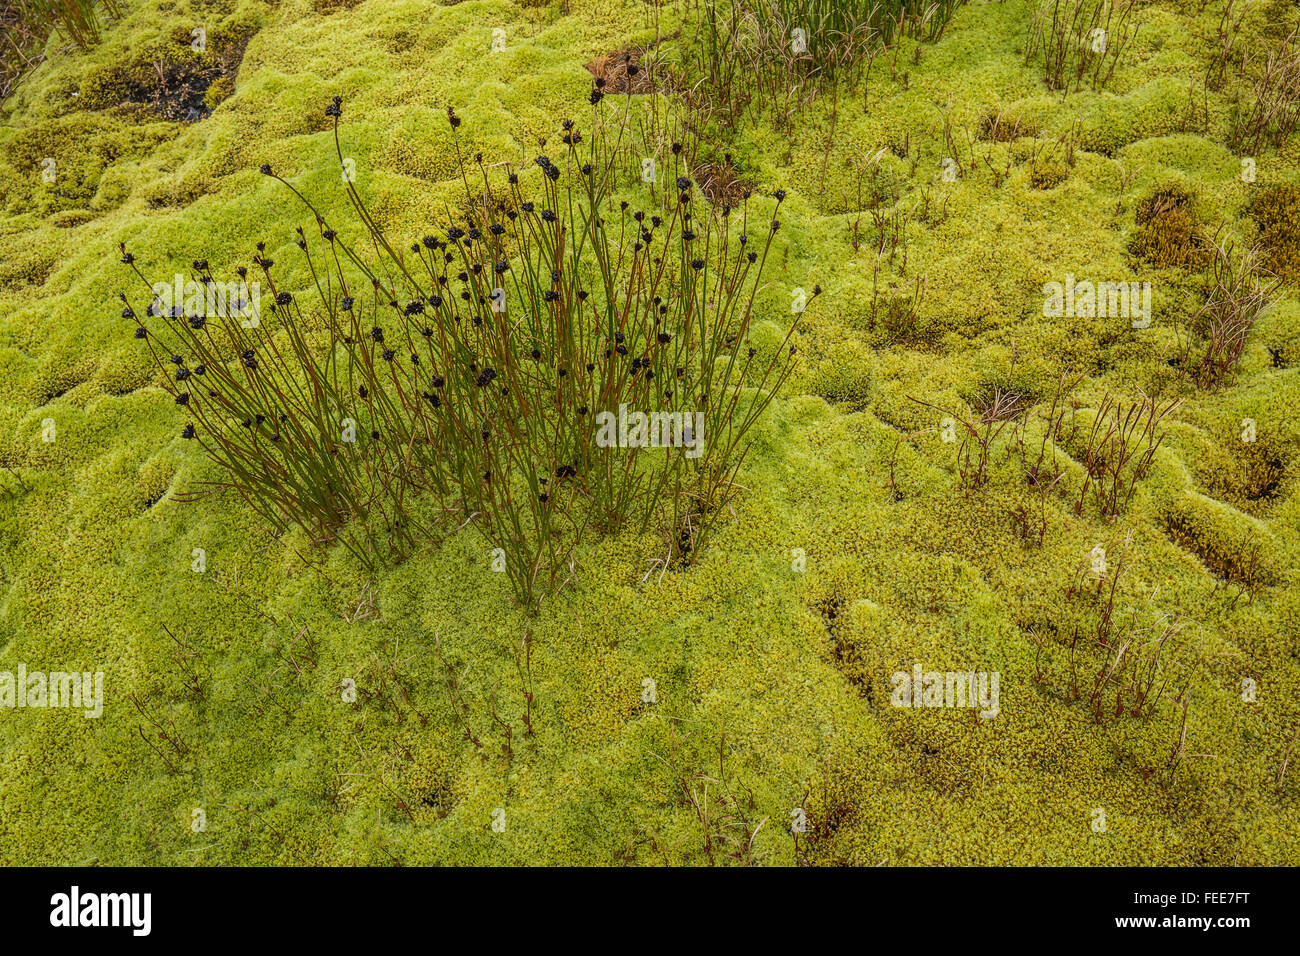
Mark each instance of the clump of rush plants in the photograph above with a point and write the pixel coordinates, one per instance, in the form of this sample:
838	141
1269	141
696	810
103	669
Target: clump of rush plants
548	361
1078	42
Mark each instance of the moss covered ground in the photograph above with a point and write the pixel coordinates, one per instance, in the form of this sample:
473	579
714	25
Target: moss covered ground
853	552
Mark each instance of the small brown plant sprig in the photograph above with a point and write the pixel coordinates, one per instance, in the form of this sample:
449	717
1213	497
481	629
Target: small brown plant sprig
1134	651
1119	449
725	807
994	410
1135	668
1237	296
1045	474
472	367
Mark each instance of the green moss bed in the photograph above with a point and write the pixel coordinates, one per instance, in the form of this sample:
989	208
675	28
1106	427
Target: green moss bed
767	734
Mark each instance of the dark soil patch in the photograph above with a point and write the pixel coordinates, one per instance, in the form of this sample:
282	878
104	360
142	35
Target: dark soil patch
177	83
152	500
188	89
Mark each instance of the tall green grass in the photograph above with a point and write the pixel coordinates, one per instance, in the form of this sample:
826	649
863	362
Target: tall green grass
76	20
772	53
26	24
